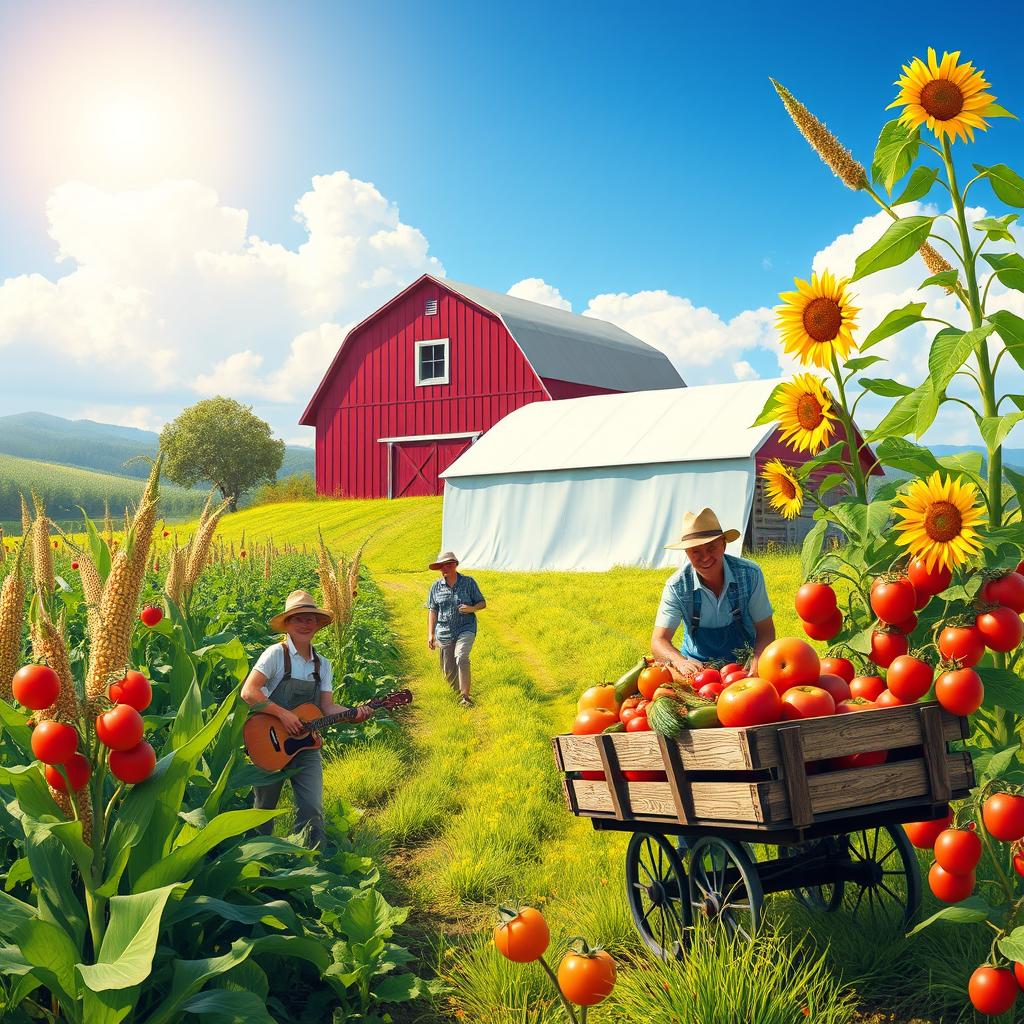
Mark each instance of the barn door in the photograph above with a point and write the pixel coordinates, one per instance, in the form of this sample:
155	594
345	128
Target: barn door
416	465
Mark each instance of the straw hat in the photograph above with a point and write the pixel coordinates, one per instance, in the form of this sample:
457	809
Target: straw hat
445	556
701	529
297	602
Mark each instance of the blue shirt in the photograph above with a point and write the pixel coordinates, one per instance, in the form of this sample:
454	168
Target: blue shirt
445	600
715	611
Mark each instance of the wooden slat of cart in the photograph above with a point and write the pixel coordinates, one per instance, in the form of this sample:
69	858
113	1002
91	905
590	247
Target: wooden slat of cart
794	773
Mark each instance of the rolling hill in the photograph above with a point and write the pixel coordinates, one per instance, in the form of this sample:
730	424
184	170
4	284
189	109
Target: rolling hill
104	447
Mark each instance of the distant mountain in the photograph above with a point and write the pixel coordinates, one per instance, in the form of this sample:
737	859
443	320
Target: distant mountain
101	446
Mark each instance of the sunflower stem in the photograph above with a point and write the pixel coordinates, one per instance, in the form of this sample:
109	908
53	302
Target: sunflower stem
851	435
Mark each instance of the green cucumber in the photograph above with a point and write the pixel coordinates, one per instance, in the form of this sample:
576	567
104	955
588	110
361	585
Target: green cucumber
703	718
626	685
614	727
666	717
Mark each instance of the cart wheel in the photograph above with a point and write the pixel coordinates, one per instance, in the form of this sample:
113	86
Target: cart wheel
885	890
656	888
820	898
725	887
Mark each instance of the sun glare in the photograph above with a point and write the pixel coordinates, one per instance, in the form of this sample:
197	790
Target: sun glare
126	127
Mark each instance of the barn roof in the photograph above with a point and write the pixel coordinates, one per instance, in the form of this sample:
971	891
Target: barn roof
567	346
636	428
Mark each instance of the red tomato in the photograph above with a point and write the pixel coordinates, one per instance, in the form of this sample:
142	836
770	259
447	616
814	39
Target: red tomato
788	662
928	582
524	938
844	707
74	565
705	676
732	677
78	770
963	644
993	990
54	742
893	601
730	668
626	715
824	630
1003	815
865	760
807	702
151	615
868	687
815	602
924	833
135	765
909	678
711	690
1018	864
120	728
960	691
586	980
837	687
888	699
632	775
134	689
1007	590
886	647
1020	568
1018	968
949	888
638	723
907	626
651	678
749	702
591	721
957	851
841	667
1002	629
36	686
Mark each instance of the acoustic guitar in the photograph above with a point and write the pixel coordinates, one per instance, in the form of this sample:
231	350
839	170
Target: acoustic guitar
269	745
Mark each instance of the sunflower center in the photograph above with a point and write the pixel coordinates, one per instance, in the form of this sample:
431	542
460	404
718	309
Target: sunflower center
822	319
787	487
942	99
808	412
943	521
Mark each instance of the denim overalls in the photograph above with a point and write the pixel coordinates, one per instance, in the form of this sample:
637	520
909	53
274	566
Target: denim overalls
720	643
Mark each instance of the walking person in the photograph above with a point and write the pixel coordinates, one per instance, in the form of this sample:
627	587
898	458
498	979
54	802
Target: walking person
452	605
286	675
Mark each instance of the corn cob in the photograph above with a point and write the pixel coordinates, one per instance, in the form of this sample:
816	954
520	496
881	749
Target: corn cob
175	573
42	553
199	546
12	620
92	590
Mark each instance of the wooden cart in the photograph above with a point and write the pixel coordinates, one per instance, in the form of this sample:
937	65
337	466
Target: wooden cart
837	829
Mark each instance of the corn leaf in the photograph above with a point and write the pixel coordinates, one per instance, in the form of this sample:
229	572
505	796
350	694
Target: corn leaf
894	322
995	428
1011	329
885	387
945	279
895	152
1009	268
52	953
997	229
919	186
951	348
900	241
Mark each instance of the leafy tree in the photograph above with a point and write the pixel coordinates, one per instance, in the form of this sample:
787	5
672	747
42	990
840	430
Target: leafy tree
221	441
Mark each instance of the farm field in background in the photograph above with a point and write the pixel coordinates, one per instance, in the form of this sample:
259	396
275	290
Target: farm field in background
466	809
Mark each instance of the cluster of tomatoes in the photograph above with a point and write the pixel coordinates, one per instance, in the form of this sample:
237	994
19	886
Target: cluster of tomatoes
585	976
993	989
896	600
120	729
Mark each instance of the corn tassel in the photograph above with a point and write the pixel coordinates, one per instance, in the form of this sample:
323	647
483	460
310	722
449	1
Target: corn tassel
42	553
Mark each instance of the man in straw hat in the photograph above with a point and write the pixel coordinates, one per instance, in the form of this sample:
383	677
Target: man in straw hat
452	605
720	599
286	675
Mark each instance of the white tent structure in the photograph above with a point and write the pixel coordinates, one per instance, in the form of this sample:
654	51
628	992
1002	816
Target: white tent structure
590	483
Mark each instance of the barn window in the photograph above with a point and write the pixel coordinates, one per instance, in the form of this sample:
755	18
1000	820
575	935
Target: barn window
432	362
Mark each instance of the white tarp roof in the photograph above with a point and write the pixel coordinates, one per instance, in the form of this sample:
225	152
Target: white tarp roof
692	424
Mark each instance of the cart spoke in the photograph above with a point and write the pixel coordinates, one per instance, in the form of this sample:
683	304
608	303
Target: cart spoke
882	885
887	856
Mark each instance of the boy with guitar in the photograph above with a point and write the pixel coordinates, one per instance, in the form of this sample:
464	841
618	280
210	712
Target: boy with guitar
286	676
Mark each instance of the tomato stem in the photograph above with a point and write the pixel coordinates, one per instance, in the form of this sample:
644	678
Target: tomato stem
554	981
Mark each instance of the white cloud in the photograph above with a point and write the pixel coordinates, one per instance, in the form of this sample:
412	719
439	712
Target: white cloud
536	289
141	417
744	371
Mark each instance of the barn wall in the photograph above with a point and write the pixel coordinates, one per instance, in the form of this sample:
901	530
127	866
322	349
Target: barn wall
372	390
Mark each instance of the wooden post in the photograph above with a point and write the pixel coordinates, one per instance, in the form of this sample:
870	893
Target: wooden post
677	780
791	748
935	753
616	782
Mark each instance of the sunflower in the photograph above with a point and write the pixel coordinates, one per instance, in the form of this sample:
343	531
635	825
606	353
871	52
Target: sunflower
948	97
805	413
784	490
939	521
816	321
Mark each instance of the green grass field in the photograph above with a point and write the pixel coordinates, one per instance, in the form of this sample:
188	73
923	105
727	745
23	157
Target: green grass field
466	808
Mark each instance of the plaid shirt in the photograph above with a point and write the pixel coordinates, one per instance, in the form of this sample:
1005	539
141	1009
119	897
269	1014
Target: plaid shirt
445	600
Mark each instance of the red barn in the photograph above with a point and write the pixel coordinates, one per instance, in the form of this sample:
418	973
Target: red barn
417	382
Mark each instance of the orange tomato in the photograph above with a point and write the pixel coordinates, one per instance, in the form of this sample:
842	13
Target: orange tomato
524	937
807	702
651	678
586	979
789	661
600	696
591	721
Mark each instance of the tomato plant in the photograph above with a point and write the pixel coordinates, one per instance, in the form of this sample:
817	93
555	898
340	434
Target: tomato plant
1002	629
960	691
928	582
957	850
78	771
807	702
522	936
893	600
826	630
151	615
815	602
749	702
35	686
909	678
54	742
602	696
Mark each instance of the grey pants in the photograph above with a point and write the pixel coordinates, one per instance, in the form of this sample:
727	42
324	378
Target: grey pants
455	662
308	792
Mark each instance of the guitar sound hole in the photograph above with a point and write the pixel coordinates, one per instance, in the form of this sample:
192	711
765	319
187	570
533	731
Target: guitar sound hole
296	743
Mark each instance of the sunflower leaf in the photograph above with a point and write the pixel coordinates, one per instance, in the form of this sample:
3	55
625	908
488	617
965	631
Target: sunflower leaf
919	186
1007	184
998	110
811	550
894	322
997	229
1017	483
900	241
830	456
951	348
1011	330
768	412
946	279
885	387
899	453
862	362
899	421
995	428
928	408
895	152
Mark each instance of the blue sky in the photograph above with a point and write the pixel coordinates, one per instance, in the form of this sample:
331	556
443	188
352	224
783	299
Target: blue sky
601	148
